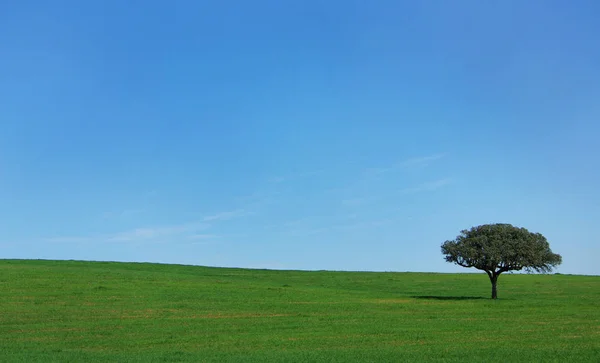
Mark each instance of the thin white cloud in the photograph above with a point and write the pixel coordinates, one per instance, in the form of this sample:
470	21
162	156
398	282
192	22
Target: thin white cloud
203	236
187	231
203	239
176	232
367	224
427	187
309	231
312	219
122	214
138	234
378	171
346	226
68	239
258	199
223	216
143	234
355	202
303	174
421	161
424	187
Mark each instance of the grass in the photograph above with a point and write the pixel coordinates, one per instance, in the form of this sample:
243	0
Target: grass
70	311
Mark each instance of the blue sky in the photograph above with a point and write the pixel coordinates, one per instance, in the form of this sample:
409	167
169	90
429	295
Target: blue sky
339	135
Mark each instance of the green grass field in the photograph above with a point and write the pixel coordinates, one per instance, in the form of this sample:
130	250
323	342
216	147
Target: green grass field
67	311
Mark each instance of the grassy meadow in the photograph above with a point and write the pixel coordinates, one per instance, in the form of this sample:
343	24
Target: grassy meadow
71	311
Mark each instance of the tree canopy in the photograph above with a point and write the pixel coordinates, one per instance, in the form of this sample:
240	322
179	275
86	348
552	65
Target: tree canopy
497	248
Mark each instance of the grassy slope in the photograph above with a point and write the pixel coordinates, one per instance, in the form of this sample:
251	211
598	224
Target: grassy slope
93	311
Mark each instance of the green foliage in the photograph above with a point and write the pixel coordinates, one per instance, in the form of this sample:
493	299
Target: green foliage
497	248
500	248
116	312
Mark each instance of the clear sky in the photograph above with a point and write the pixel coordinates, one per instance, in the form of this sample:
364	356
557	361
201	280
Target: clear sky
339	135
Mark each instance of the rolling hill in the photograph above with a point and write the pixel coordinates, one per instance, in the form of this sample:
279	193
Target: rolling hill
74	311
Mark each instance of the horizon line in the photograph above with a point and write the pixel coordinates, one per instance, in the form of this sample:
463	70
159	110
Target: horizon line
470	272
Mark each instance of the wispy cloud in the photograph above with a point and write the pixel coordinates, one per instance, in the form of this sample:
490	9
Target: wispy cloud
417	162
292	176
122	214
317	219
429	186
355	202
345	226
223	216
139	234
203	236
424	187
421	161
309	231
68	239
204	239
189	231
310	173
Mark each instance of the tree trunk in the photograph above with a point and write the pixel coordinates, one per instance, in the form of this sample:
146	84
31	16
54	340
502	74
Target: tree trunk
494	289
493	275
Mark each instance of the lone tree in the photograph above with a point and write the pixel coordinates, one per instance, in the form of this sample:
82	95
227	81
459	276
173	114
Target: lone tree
497	248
